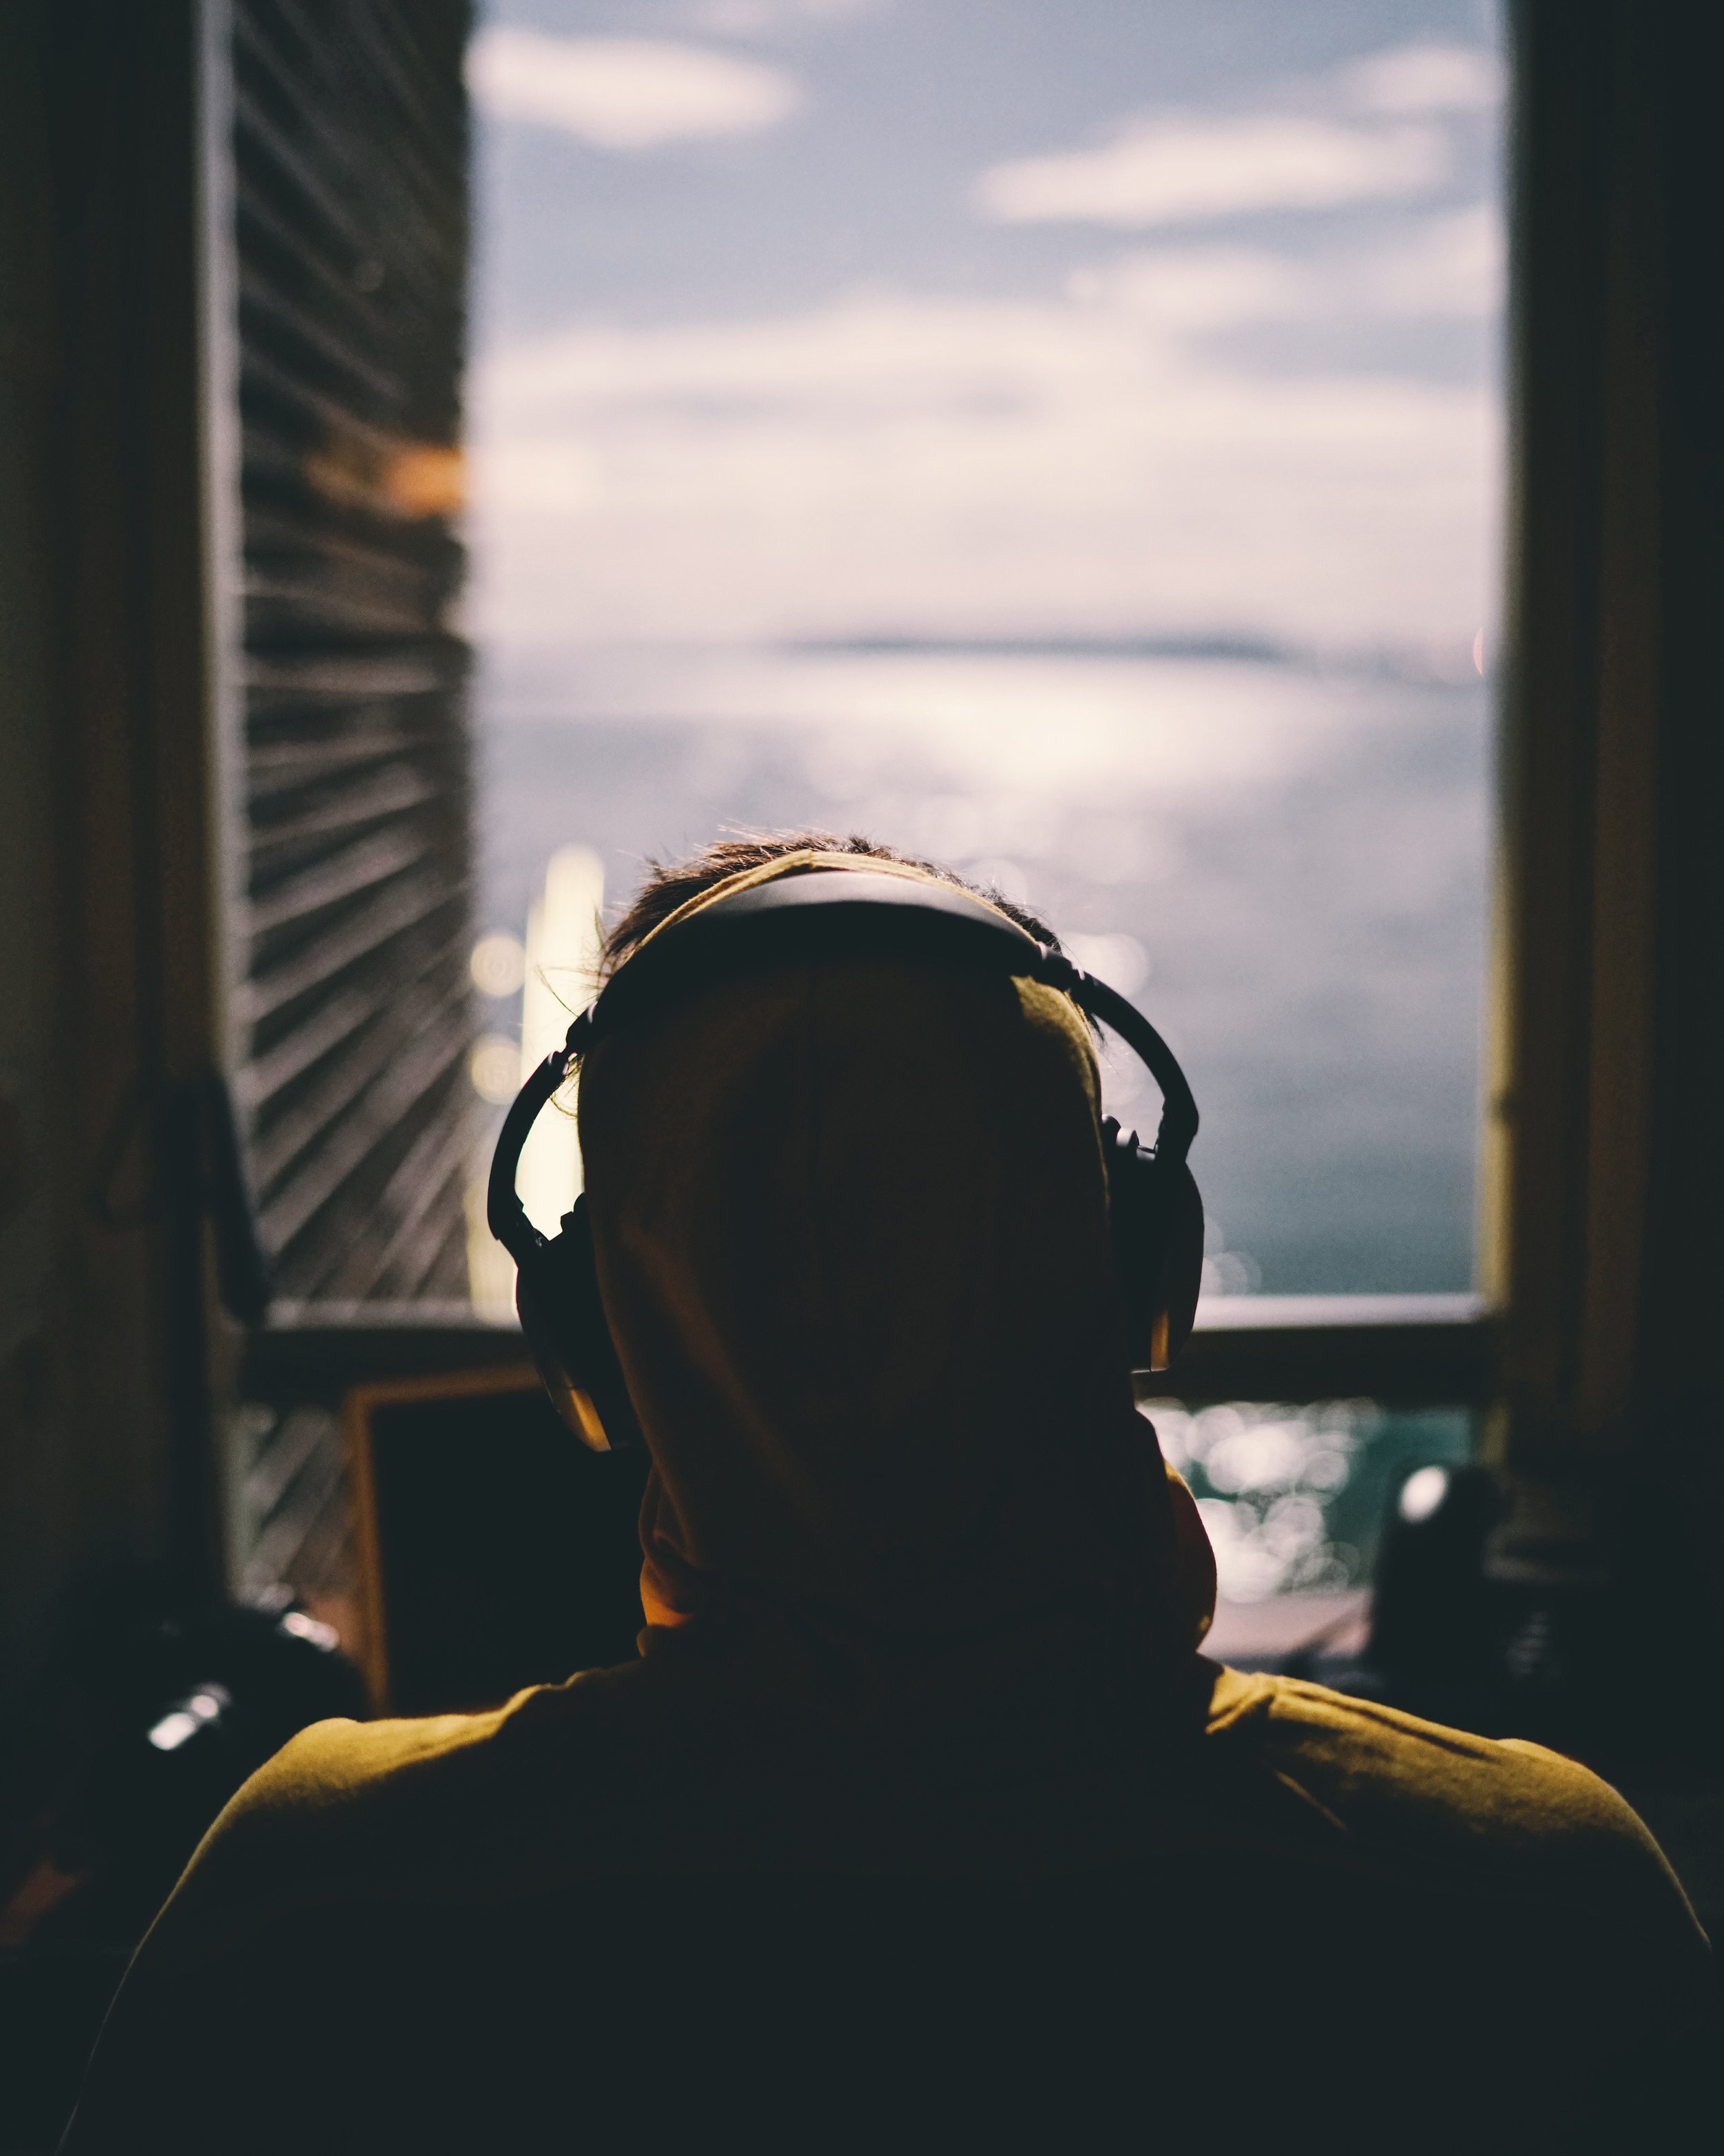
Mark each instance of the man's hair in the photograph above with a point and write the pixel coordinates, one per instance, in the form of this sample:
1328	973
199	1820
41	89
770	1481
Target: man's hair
672	884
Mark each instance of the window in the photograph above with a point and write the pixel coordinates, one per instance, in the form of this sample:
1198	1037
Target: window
1084	471
1061	441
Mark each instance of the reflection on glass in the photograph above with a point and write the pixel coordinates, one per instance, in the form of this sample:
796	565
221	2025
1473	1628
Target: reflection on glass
1294	1498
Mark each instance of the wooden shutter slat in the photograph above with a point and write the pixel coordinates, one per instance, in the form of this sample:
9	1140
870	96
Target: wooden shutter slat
350	230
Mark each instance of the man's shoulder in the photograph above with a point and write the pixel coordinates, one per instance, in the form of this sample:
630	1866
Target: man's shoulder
328	1766
342	1781
351	1813
334	1772
1460	1810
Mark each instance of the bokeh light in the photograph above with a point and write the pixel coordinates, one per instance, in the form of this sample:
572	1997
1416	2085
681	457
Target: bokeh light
498	965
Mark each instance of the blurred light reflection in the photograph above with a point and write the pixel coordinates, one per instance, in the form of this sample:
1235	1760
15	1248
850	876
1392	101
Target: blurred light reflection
1293	1497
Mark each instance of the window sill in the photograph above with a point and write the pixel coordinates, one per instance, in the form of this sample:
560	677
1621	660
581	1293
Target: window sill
1403	1350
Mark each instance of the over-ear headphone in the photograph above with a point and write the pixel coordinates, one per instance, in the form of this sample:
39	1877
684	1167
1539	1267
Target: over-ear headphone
1156	1212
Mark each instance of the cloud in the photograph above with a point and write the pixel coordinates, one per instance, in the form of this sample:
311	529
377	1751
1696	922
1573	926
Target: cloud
752	18
1454	266
1421	79
1443	268
949	465
1191	289
623	93
1191	166
1364	134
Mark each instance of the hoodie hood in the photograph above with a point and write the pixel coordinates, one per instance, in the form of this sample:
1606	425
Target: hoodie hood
850	1220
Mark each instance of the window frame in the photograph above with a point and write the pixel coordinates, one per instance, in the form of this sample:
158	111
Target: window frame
1546	1351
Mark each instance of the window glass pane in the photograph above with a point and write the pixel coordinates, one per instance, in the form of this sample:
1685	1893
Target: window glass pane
1060	440
1295	1499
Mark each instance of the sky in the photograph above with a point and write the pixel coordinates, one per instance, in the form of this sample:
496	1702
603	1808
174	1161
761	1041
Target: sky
808	320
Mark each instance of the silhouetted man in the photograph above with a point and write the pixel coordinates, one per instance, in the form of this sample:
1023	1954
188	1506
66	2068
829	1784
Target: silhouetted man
920	1821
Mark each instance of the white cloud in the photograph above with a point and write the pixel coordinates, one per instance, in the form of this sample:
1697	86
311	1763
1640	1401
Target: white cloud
947	465
623	93
1450	265
1309	147
1426	79
751	19
1194	165
1196	288
1447	267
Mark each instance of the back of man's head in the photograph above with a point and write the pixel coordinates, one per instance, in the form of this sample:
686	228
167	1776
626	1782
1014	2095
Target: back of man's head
851	1218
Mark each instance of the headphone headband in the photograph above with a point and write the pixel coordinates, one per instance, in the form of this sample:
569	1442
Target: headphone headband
829	911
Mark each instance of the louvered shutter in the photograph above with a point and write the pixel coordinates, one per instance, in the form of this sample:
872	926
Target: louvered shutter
349	152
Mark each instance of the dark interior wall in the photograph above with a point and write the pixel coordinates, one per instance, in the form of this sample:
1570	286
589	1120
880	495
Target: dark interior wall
1609	1171
227	686
1685	1234
1682	1280
27	856
107	1003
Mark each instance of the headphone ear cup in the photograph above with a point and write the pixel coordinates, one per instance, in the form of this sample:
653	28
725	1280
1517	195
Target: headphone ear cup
562	1317
1182	1264
1156	1218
